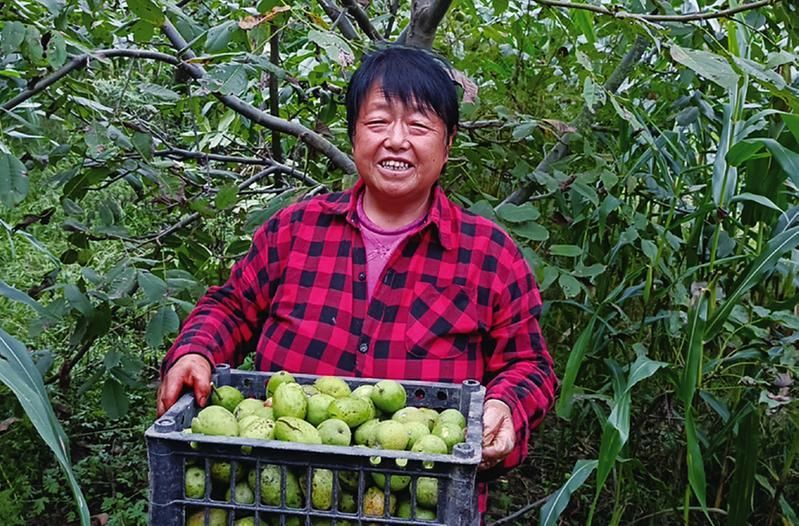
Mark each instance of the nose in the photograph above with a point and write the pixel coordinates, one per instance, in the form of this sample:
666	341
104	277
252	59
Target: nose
396	136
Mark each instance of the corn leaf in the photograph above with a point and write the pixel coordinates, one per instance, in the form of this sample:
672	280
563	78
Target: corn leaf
747	447
19	373
558	501
576	358
762	266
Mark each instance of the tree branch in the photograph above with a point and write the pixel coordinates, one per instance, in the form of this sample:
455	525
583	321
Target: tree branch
426	15
339	20
312	139
81	61
362	19
179	153
688	17
189	219
393	10
582	122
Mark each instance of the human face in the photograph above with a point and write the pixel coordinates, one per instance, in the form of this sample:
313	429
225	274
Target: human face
399	151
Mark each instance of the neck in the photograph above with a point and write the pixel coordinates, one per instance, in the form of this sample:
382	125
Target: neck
394	215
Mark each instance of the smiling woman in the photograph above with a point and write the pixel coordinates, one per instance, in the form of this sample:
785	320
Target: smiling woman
403	112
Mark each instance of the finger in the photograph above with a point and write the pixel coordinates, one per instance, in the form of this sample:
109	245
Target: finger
202	388
170	390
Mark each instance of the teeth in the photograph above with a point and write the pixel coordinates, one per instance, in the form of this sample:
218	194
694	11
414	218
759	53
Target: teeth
395	165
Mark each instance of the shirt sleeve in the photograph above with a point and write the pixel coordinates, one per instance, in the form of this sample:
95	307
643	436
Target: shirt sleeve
519	367
226	322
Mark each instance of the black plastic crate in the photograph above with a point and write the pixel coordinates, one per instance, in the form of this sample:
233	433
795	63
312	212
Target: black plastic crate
171	451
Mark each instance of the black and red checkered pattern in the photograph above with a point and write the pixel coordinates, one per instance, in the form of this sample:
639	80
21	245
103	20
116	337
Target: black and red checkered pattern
456	300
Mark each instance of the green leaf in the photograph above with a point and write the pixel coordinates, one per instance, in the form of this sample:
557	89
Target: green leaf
154	287
219	37
530	230
693	457
333	44
707	65
649	249
695	346
592	94
792	123
18	372
591	271
142	31
787	159
747	452
56	50
13	180
576	357
78	300
11	37
228	79
32	45
114	400
226	196
163	323
584	21
641	369
54	6
511	213
147	10
13	294
524	130
571	251
558	501
755	198
763	265
569	285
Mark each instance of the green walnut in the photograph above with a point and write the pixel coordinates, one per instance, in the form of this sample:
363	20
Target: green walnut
334	386
270	486
195	483
389	396
215	420
216	517
353	411
318	406
450	433
289	400
427	492
335	432
391	434
422	514
242	492
226	396
374	502
452	416
280	377
291	429
253	406
366	433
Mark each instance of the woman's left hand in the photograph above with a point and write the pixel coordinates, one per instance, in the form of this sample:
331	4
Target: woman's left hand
499	436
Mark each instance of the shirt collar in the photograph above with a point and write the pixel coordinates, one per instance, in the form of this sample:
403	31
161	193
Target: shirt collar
440	214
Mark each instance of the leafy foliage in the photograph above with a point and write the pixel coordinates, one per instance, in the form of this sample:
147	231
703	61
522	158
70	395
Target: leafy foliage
664	241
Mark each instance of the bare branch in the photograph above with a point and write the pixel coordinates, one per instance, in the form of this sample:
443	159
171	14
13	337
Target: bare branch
426	15
689	17
81	61
362	19
521	512
339	19
312	139
582	122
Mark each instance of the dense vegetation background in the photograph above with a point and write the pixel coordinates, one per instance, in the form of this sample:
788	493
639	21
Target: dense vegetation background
644	154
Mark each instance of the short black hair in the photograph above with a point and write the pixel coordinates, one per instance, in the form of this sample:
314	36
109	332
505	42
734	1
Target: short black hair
411	75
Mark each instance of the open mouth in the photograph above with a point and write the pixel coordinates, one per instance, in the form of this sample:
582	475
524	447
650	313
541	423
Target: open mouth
395	166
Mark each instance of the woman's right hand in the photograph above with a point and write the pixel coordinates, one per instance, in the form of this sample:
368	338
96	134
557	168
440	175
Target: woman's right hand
190	371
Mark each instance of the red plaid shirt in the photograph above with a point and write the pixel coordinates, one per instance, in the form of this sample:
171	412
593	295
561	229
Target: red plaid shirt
457	300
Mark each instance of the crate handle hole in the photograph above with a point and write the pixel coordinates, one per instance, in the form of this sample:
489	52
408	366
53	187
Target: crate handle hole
420	394
442	395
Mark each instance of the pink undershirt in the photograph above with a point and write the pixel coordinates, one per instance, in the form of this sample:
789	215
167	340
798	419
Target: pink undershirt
379	244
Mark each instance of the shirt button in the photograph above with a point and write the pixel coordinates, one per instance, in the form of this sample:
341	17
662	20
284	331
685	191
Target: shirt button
362	276
363	347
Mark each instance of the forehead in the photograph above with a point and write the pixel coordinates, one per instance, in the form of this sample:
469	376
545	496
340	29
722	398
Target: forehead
377	99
